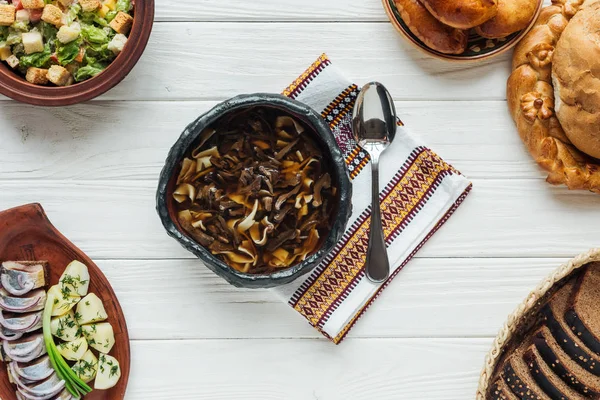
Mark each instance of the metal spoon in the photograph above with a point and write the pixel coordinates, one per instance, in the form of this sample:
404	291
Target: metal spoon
374	129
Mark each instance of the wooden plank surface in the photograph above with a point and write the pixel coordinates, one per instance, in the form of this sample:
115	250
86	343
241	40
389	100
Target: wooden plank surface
270	10
477	137
208	61
94	168
276	369
520	218
460	297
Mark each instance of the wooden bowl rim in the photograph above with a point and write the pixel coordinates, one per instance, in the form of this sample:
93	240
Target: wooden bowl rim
16	87
457	58
530	305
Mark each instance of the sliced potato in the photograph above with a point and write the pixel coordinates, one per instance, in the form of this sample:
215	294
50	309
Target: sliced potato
99	336
65	327
109	372
63	302
76	279
87	367
74	350
90	309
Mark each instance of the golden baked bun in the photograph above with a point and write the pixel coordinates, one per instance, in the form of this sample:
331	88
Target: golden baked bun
462	14
530	97
576	79
429	30
512	16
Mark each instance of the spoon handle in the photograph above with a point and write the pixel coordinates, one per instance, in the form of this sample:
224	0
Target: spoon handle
377	263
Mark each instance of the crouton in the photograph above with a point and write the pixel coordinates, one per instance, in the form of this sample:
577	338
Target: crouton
65	3
90	5
5	52
32	41
53	15
122	23
7	14
37	76
67	34
12	61
58	75
32	4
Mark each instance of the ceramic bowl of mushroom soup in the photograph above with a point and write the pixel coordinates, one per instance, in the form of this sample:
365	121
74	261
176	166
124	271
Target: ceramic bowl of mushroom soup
257	188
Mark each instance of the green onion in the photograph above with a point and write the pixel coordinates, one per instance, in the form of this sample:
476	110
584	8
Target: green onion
73	383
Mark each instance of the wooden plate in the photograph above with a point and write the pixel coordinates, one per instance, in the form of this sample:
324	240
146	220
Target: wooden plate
27	234
478	48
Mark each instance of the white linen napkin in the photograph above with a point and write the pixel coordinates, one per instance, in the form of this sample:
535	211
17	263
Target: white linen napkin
421	192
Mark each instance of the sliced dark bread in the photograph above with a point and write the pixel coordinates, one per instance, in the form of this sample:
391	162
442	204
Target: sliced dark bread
501	391
516	375
553	313
546	379
583	313
570	372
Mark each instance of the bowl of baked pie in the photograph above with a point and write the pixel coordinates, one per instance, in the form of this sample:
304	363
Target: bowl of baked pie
463	30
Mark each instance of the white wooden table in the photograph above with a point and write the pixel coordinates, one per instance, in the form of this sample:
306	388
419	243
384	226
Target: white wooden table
94	168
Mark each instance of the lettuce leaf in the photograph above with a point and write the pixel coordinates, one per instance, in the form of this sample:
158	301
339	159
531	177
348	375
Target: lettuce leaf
49	32
91	34
72	13
3	33
91	18
39	60
124	5
20	26
14	37
66	53
88	71
110	16
100	52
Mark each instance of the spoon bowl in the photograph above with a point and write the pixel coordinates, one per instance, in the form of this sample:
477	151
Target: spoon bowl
374	129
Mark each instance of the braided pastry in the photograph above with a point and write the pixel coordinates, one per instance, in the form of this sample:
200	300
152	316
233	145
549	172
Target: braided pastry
530	96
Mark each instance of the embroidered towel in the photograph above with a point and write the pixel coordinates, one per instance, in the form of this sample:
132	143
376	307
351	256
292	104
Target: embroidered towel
420	192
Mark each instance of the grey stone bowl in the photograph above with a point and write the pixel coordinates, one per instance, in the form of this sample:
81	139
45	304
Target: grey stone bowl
166	207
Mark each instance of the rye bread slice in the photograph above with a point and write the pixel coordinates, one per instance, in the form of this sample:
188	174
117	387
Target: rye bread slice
516	375
546	379
501	391
583	314
571	373
553	313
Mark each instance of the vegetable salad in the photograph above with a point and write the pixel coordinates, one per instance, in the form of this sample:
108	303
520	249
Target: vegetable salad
61	42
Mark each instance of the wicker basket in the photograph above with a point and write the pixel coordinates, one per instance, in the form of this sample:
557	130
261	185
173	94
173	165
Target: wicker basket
523	313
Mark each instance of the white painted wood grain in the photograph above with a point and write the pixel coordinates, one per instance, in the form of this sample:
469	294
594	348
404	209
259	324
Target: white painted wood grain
383	369
430	298
270	10
95	140
207	61
501	218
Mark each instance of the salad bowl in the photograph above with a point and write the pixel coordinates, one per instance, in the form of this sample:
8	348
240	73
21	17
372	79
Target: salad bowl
18	88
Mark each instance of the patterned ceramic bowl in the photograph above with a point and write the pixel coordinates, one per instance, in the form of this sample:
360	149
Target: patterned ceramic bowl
478	48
